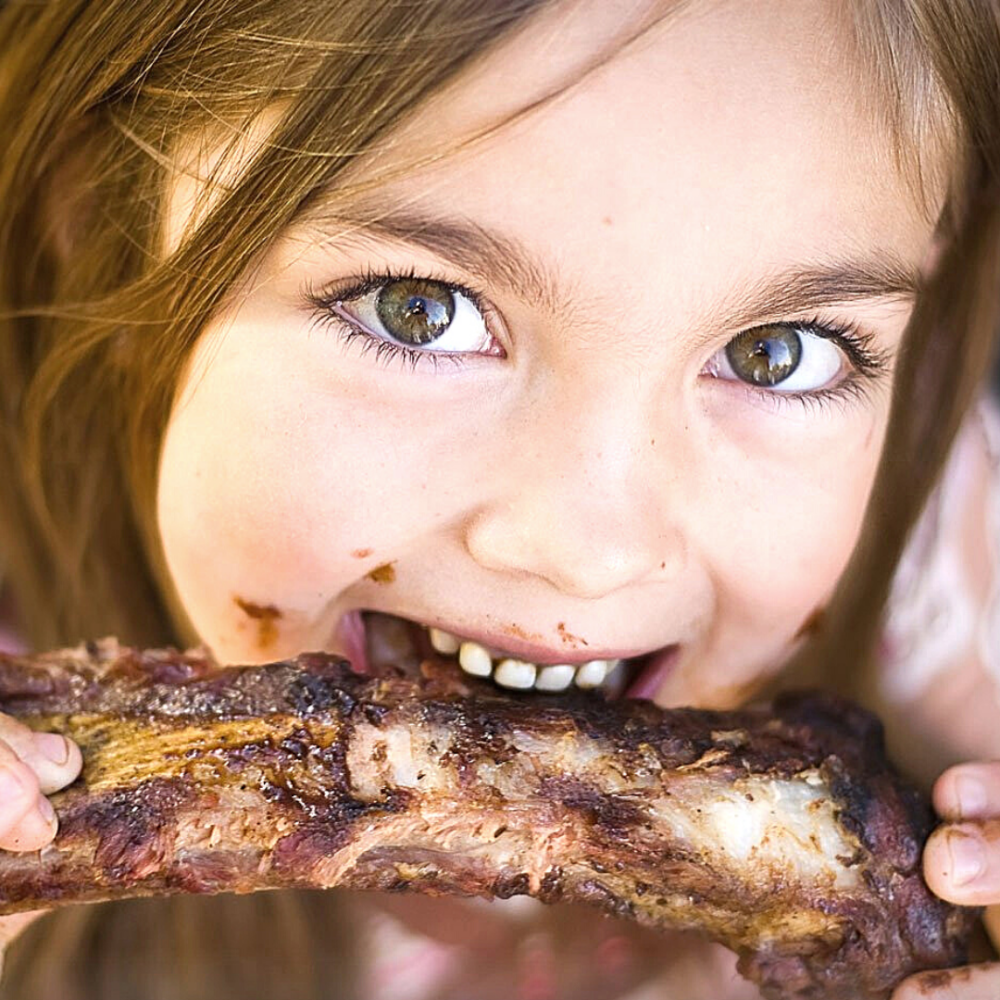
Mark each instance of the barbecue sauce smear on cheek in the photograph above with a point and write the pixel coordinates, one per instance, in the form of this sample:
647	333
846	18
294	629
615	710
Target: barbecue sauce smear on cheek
266	616
386	573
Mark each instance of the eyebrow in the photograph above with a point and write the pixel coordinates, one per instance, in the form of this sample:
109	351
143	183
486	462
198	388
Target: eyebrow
490	256
498	259
878	275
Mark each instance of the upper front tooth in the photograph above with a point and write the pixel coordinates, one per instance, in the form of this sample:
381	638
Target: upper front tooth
444	642
515	674
555	677
475	660
592	673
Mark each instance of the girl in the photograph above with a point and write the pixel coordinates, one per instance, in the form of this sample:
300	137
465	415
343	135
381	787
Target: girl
572	331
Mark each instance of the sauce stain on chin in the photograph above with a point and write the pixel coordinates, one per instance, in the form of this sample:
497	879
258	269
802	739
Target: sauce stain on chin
568	638
515	630
265	615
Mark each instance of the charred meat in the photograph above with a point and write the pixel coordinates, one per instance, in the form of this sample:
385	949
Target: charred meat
781	831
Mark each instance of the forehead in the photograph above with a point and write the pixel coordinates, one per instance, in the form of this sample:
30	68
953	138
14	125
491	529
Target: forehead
723	133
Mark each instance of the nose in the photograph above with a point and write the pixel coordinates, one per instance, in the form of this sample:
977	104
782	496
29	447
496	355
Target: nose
583	503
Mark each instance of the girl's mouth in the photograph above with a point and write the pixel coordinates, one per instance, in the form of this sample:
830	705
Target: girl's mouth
373	641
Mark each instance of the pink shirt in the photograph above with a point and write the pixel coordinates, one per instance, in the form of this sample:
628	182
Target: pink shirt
944	607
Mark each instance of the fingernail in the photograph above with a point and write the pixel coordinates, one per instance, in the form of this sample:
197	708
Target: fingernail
45	808
11	786
53	747
971	794
967	858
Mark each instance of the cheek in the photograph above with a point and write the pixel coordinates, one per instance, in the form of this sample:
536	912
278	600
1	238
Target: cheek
775	526
277	501
791	521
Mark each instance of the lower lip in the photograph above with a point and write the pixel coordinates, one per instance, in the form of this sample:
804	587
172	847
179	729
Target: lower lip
653	674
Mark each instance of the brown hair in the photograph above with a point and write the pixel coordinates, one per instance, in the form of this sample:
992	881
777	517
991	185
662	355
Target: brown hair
951	338
94	326
96	323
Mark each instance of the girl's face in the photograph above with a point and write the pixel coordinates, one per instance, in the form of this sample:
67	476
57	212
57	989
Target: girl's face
613	381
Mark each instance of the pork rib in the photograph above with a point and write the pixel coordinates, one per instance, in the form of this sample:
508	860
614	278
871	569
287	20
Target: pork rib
783	833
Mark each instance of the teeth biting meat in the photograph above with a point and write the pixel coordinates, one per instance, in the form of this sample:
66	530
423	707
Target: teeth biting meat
391	640
782	833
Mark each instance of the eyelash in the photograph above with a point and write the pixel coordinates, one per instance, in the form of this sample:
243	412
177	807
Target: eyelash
386	352
868	366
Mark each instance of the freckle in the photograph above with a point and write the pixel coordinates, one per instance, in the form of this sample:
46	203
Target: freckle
386	573
652	441
663	565
265	615
362	553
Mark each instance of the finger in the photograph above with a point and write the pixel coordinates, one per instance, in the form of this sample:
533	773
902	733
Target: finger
969	982
27	819
962	863
969	791
55	759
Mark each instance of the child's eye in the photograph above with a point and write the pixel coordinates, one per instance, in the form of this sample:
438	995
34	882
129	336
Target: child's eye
784	357
418	318
420	314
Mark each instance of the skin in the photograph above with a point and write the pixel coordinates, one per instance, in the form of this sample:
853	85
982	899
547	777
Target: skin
645	497
703	513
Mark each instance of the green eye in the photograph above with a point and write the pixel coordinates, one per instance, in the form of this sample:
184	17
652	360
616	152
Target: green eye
765	355
415	310
415	315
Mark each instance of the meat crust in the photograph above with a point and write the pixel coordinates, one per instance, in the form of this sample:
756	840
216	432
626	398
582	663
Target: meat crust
781	832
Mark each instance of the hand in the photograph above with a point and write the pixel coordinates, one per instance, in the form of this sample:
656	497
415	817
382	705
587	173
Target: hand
32	765
962	865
